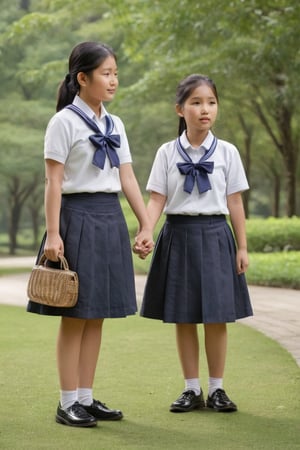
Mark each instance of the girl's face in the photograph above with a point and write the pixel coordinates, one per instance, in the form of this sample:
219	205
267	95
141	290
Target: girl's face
199	110
101	85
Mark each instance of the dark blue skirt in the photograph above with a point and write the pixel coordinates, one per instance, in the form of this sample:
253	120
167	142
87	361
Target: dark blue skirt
97	247
193	277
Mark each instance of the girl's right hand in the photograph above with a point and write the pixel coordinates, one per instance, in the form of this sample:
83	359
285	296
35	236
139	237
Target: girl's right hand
142	250
54	247
143	243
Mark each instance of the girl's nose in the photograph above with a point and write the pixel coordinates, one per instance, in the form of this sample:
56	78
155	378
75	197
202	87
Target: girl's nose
114	79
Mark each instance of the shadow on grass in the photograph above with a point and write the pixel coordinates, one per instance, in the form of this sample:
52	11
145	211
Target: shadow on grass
139	373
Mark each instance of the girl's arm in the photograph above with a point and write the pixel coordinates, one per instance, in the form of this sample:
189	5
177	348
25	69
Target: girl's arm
135	199
54	176
155	208
237	218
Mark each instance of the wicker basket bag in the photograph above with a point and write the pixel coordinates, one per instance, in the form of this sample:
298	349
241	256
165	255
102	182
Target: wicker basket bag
53	287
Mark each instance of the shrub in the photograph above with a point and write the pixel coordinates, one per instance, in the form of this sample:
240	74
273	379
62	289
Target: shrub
273	235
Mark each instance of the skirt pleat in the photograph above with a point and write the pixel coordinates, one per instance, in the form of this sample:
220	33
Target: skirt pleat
97	247
192	277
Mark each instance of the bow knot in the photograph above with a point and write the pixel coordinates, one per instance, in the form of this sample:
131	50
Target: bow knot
105	143
196	172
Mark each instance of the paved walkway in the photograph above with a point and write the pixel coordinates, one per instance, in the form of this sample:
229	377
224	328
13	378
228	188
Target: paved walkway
276	311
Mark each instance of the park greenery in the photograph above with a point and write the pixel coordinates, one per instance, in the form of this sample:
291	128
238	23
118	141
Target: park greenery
251	48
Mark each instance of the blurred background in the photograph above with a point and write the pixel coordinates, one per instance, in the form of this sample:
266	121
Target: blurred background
251	49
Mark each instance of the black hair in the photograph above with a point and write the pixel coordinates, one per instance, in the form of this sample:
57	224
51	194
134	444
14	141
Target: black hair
184	90
85	57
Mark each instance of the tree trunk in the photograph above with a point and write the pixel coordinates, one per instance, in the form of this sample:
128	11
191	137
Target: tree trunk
17	197
247	159
276	196
13	228
284	144
25	4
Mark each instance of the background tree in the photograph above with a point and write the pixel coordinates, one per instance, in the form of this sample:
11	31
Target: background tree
253	44
250	48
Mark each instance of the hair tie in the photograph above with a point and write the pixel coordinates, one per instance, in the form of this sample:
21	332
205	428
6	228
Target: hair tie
68	78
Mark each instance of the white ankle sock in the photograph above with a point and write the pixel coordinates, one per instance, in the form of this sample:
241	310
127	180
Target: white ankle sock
192	384
85	396
214	384
68	398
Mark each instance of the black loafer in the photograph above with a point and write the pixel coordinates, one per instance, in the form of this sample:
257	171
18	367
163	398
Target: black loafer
187	402
75	416
220	402
101	412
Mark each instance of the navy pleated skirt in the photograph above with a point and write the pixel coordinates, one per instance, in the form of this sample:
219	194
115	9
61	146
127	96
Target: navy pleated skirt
97	247
193	277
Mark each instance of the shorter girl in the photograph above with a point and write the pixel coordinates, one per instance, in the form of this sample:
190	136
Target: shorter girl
197	276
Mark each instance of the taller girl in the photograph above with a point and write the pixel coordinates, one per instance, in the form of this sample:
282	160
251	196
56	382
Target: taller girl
88	162
197	276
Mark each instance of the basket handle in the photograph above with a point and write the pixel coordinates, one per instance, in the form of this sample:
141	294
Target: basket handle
63	262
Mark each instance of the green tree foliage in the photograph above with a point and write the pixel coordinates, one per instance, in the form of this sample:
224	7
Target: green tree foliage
249	47
35	39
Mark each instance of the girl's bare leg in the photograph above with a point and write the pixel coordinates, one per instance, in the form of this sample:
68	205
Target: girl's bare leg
89	352
188	349
68	352
216	347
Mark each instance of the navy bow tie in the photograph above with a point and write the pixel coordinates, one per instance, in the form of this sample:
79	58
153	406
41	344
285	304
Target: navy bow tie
105	144
196	171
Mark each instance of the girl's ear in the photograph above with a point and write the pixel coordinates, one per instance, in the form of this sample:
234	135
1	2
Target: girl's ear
81	78
179	110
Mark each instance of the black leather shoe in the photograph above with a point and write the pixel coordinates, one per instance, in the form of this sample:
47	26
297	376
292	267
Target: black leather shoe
101	412
220	402
188	401
75	416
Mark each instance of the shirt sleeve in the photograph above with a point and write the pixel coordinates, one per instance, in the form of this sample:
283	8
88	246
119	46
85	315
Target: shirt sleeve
236	176
57	143
158	181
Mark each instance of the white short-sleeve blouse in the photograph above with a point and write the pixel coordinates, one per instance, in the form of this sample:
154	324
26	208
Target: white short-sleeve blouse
67	141
228	177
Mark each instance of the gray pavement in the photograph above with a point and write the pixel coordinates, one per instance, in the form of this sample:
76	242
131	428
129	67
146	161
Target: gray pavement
276	311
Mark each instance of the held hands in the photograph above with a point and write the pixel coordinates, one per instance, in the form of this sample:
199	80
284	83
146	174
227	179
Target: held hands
143	244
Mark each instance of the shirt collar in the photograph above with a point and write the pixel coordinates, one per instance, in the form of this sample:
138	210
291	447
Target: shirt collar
205	144
88	111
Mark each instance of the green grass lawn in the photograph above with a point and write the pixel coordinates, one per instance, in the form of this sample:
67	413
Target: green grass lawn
139	373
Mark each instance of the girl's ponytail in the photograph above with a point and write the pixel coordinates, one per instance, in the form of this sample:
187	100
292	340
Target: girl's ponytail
181	126
66	92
